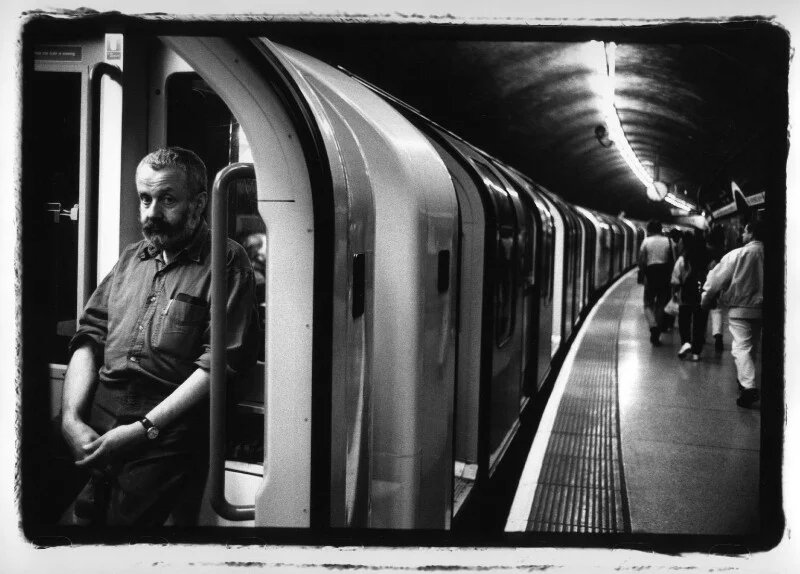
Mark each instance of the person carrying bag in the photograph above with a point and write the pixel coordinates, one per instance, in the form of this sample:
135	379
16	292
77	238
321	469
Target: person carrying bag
688	276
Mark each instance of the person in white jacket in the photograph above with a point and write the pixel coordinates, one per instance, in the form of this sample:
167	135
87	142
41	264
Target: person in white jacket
738	281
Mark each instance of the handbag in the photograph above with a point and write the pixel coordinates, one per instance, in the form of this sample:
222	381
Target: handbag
671	308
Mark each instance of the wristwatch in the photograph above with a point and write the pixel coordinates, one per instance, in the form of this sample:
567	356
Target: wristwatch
149	428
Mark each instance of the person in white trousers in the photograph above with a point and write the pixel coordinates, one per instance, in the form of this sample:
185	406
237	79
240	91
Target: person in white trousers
738	281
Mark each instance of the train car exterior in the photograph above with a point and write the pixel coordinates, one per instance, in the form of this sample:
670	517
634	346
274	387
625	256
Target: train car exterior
416	291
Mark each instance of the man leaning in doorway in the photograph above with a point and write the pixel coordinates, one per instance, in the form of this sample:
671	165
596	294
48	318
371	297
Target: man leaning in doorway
135	408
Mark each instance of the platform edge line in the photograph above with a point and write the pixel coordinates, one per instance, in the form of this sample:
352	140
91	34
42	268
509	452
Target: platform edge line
523	499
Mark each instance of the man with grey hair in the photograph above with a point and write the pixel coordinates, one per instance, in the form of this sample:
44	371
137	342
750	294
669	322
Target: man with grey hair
134	410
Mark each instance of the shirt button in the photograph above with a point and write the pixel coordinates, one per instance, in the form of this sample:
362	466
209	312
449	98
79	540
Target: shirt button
152	298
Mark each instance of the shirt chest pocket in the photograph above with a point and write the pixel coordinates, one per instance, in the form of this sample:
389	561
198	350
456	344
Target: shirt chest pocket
180	325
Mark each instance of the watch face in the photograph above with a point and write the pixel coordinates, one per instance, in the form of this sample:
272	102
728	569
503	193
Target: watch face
152	433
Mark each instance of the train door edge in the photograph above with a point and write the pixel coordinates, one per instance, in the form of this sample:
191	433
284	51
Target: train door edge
296	203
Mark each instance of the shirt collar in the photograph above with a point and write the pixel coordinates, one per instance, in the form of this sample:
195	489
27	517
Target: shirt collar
194	251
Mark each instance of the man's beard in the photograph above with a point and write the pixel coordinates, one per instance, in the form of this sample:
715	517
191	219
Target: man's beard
169	236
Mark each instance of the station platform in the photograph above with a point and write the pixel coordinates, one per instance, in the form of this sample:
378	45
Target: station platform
636	440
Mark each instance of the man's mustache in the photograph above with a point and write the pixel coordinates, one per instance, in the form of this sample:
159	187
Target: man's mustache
157	226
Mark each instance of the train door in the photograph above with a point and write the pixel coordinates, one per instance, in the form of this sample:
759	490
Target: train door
590	255
631	241
545	279
618	241
559	244
530	231
472	224
529	300
416	235
504	405
599	265
571	270
626	243
56	245
62	121
246	111
619	246
604	257
580	298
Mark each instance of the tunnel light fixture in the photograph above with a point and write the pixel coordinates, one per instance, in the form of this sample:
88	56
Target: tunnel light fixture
673	199
615	132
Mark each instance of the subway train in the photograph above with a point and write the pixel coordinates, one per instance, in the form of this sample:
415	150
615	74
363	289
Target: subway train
417	294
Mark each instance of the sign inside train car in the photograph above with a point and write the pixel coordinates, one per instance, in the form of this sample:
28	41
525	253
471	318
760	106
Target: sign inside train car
113	47
58	53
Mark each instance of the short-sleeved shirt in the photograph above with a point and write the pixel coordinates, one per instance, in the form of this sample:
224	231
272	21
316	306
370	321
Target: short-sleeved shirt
656	250
149	325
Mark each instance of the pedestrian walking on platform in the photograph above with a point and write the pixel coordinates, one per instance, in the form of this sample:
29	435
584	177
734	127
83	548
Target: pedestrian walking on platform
655	266
738	281
688	276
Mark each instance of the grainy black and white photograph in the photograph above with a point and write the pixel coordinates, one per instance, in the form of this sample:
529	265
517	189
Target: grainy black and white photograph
379	289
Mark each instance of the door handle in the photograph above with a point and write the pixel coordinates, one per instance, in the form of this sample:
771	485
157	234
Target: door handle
54	208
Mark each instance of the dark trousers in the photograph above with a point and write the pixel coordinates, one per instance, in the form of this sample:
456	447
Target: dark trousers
692	321
657	292
161	478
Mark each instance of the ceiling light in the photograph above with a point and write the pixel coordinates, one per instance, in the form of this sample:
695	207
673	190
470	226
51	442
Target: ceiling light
615	132
673	199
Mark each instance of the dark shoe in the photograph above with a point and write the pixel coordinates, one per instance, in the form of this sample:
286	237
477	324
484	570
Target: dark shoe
747	398
718	347
655	337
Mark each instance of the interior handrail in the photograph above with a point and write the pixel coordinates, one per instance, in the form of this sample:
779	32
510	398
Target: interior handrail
88	208
219	295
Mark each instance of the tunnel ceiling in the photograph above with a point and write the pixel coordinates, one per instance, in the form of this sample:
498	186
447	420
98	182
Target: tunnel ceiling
705	103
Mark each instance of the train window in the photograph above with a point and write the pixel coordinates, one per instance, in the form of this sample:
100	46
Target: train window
199	120
505	295
505	276
55	129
